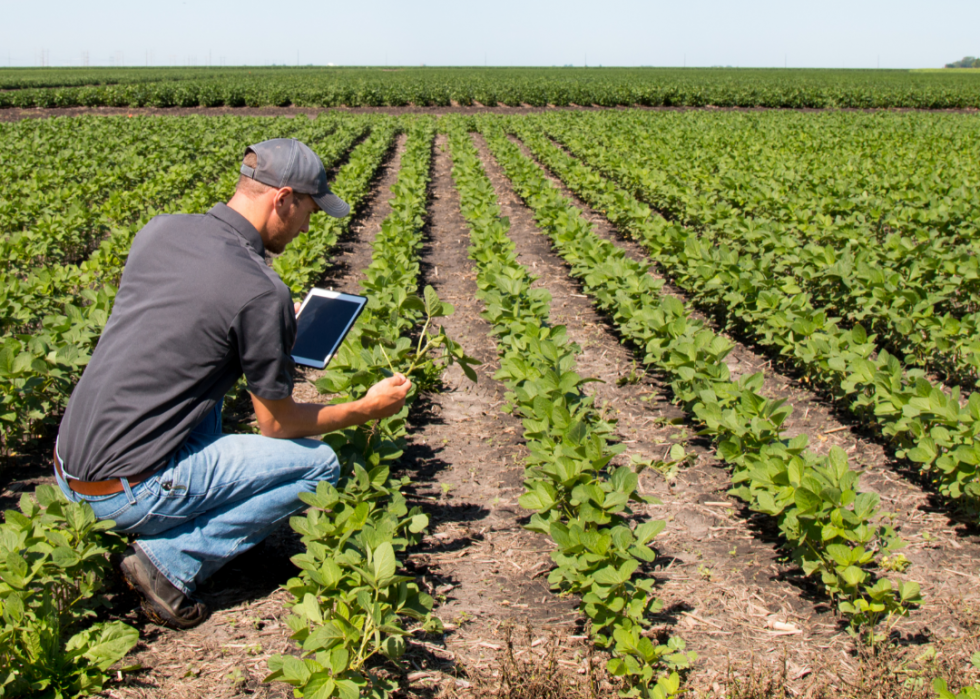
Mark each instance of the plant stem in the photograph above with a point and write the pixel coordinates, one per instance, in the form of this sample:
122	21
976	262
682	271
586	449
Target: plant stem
387	358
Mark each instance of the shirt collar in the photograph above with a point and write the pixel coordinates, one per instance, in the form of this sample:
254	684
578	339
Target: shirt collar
240	224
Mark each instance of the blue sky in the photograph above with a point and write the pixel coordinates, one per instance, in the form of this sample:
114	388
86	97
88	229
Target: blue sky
831	34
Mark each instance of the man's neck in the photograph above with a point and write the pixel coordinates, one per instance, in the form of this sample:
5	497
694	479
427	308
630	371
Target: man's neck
255	212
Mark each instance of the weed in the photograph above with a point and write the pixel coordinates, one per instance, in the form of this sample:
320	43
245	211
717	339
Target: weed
897	563
630	379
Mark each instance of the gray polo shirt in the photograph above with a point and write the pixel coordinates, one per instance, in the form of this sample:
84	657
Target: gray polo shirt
197	307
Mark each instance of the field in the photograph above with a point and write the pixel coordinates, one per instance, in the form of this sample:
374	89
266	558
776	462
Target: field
28	88
696	405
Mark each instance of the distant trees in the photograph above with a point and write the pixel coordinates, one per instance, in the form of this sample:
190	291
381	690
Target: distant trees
967	62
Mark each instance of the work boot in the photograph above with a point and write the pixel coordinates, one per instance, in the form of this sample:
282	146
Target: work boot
162	602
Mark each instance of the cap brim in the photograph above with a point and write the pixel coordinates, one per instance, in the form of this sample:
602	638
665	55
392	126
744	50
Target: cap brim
331	204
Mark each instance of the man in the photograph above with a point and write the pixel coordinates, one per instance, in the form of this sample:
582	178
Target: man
197	308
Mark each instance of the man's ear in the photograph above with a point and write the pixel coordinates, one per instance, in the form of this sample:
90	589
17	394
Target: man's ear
282	197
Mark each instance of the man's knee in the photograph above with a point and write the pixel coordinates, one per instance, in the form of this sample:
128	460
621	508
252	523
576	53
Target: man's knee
323	464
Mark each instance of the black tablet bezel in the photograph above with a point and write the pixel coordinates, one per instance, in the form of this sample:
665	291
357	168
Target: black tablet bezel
325	293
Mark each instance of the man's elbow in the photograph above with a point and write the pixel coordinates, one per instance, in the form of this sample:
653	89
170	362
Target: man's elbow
275	418
271	427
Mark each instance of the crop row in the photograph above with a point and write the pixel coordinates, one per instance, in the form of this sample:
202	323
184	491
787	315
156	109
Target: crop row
578	498
57	225
882	169
350	602
925	424
827	524
29	294
608	87
59	311
900	258
53	567
351	532
49	154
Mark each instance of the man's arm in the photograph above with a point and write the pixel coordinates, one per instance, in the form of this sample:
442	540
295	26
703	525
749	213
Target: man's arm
287	419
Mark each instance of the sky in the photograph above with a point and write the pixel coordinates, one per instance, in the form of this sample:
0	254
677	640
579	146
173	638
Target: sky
751	33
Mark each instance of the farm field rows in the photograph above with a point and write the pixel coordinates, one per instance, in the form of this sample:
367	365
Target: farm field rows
489	87
722	430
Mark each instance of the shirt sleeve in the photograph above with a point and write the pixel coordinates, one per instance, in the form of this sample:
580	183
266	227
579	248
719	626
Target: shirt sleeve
264	333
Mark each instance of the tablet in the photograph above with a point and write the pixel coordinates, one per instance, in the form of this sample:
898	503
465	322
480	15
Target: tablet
323	321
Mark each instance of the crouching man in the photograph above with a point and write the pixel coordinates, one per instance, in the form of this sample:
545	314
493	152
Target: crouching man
197	308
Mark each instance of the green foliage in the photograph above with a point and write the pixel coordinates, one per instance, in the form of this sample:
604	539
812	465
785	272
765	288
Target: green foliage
350	604
52	314
789	223
826	523
426	86
968	692
965	62
53	560
577	499
779	273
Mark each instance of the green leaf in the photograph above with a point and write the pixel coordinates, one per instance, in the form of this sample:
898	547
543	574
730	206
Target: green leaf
107	644
807	501
648	530
348	689
577	432
312	608
432	304
339	658
413	303
393	647
384	563
909	591
418	524
295	670
853	576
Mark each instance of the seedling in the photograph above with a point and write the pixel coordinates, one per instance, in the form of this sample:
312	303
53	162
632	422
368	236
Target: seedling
630	379
897	562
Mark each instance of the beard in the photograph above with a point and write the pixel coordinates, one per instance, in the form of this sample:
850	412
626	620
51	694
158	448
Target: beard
282	232
276	245
280	237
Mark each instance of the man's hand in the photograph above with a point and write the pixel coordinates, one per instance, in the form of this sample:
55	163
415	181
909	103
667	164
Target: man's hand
387	397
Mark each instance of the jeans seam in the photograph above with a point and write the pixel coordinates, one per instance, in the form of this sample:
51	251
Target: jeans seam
161	569
225	485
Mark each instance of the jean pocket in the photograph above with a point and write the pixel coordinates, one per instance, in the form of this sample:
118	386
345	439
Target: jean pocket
172	480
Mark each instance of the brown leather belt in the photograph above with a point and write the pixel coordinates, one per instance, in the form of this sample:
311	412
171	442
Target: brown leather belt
96	488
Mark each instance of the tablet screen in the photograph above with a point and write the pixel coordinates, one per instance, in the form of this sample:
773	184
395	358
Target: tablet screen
322	325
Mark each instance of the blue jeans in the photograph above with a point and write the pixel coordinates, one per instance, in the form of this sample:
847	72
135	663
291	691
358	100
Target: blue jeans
217	497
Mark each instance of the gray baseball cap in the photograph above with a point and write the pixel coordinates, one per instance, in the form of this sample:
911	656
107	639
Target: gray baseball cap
285	162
